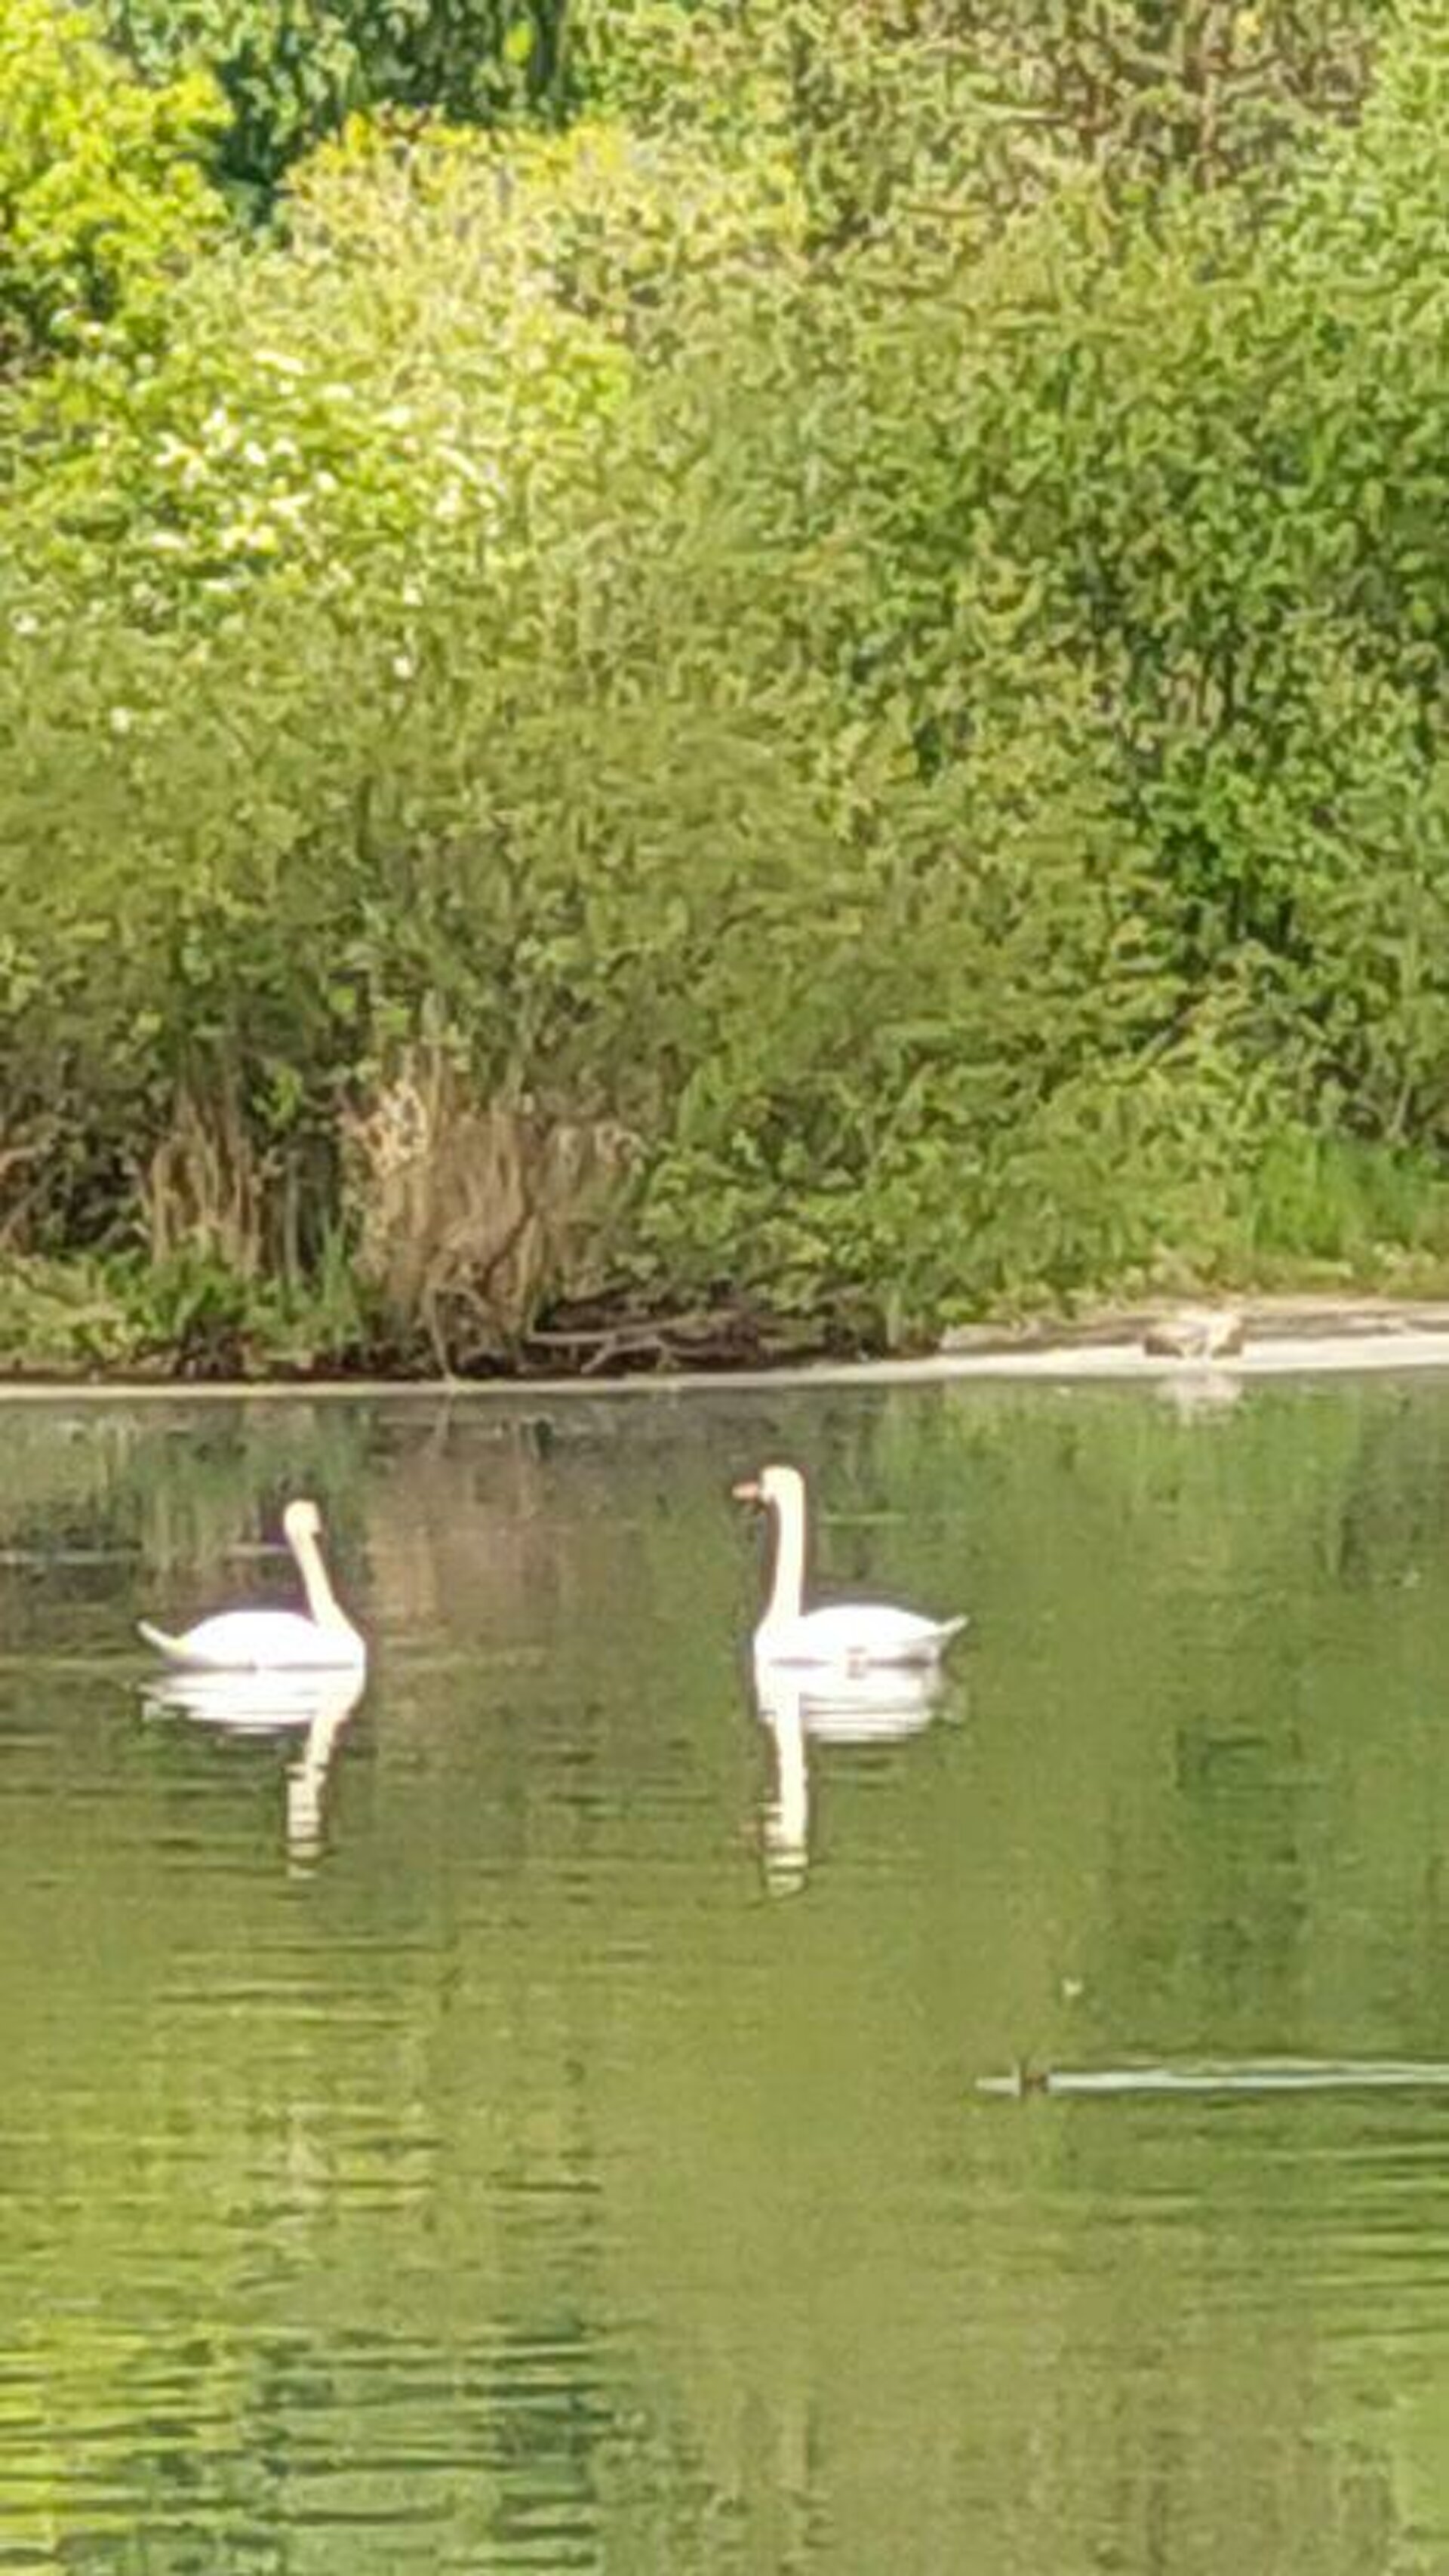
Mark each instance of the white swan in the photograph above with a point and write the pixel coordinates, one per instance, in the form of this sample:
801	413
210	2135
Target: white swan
851	1636
274	1640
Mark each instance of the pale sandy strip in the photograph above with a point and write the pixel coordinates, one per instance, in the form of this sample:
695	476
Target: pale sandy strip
1316	1355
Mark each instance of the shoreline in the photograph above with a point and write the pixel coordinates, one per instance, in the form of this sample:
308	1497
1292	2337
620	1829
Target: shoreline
1284	1337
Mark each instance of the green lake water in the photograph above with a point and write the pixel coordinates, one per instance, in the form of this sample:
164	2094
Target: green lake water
532	2122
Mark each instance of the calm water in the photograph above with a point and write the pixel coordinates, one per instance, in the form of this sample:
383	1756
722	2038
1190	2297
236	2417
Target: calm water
531	2122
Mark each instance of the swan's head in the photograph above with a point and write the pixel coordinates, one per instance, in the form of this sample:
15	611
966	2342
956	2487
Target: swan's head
774	1489
301	1520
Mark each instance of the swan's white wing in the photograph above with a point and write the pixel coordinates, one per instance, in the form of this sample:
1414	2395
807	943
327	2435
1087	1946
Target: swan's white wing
252	1641
853	1634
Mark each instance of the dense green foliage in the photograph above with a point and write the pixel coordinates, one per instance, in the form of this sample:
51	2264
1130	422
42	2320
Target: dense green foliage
101	198
816	696
293	70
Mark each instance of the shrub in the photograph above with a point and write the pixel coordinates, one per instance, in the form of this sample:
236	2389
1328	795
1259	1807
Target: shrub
922	730
103	202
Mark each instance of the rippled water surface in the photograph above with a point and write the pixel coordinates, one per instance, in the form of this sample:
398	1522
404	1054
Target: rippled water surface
532	2120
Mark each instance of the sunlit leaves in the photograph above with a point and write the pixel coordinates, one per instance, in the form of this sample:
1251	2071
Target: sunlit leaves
293	71
103	203
885	642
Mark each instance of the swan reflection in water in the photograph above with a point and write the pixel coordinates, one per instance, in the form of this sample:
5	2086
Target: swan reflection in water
272	1703
872	1707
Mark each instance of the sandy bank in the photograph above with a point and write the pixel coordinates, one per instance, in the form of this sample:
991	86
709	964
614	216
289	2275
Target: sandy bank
1283	1337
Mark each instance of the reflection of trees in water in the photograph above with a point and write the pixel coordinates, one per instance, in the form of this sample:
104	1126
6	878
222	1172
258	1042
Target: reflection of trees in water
524	2169
1393	1512
466	1537
1192	2456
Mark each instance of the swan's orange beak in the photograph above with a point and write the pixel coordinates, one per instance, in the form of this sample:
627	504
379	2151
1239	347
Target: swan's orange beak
747	1492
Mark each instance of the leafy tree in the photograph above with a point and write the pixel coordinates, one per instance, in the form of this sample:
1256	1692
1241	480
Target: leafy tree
392	394
894	656
293	71
948	115
103	202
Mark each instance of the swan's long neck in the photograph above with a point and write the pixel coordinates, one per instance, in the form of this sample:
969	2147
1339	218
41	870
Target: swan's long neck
323	1607
787	1590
